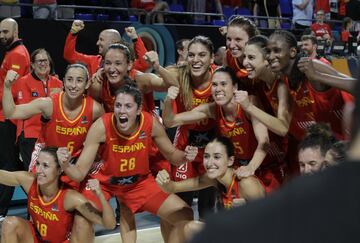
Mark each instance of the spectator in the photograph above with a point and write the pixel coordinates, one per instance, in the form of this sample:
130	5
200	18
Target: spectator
302	13
309	47
46	9
268	8
151	6
323	5
321	30
347	24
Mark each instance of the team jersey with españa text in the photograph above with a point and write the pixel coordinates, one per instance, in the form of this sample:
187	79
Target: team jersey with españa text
50	220
304	107
122	155
240	132
311	106
108	97
329	109
60	131
198	134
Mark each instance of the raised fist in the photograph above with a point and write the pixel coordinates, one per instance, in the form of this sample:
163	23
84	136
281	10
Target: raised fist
173	92
77	26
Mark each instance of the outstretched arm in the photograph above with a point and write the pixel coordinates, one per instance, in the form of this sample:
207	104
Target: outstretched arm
170	152
78	172
40	105
76	201
280	124
199	113
191	184
168	77
17	178
315	70
259	155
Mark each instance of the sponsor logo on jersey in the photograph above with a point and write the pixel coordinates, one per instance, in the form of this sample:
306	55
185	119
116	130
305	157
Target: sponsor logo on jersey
84	120
44	214
238	122
142	135
182	168
34	94
55	208
128	148
74	131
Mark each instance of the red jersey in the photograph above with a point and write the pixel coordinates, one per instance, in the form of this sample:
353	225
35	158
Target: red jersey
108	98
27	89
53	224
321	29
198	135
330	106
125	155
60	131
94	62
231	193
240	132
322	5
16	58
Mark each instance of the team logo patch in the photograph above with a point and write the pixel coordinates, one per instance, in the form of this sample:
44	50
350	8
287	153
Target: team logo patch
142	134
34	94
182	168
84	120
55	208
15	66
238	122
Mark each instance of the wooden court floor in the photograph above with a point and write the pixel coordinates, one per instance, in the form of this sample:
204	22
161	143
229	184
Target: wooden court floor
148	235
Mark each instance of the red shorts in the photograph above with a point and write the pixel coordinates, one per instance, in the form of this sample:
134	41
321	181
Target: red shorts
36	236
190	169
143	195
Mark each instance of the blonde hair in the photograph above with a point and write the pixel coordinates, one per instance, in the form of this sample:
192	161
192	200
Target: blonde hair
186	93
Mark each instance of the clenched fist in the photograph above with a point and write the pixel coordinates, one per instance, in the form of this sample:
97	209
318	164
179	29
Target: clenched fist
131	32
241	97
11	77
77	26
173	92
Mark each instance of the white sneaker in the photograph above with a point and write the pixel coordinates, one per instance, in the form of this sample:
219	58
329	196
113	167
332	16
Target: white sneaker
2	218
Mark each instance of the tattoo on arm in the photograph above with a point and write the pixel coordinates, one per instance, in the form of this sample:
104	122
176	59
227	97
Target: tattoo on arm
88	207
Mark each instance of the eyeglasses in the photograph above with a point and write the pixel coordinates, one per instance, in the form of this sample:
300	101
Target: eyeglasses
42	61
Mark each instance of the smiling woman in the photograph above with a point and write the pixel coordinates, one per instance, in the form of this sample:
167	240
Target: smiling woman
39	83
45	194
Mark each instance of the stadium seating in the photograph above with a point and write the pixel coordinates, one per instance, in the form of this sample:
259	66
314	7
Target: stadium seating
176	8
